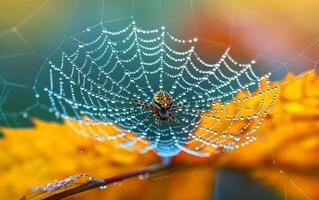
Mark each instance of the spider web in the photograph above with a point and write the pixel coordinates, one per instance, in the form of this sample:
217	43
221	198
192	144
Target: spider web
95	76
4	91
17	116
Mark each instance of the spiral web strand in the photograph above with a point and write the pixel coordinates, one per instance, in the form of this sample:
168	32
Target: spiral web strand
95	76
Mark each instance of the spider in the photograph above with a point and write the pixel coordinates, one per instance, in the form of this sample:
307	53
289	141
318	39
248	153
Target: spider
162	108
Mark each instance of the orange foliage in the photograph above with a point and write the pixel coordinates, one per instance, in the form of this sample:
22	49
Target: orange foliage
287	147
32	157
51	151
283	156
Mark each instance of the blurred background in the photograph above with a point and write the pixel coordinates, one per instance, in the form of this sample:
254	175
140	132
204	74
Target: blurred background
282	36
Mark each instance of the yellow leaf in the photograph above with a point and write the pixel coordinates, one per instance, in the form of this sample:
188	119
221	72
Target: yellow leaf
285	153
51	151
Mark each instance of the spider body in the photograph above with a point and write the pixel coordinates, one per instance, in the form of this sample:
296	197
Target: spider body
163	102
162	108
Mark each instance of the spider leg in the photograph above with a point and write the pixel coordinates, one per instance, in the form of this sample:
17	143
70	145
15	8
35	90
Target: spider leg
158	121
172	118
148	118
145	105
177	107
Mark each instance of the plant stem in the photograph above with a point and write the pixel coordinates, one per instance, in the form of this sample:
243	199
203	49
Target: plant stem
96	183
167	167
